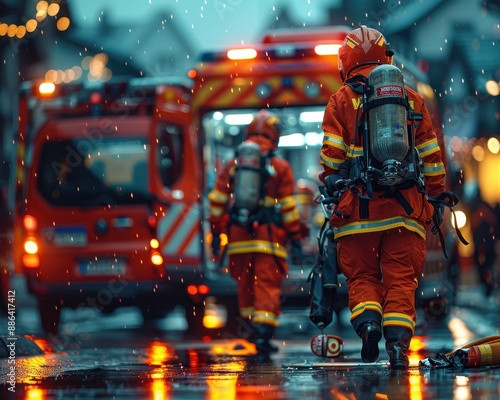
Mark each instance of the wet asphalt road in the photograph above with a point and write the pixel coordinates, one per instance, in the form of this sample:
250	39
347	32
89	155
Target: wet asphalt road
117	357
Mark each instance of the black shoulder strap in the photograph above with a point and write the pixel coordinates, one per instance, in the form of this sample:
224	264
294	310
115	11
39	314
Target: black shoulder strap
358	83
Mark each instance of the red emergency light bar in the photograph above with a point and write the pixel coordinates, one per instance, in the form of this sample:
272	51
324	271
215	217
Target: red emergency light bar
274	52
134	88
247	53
94	98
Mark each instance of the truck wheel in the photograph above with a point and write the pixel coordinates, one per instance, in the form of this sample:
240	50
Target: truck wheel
50	314
150	314
234	321
435	309
194	318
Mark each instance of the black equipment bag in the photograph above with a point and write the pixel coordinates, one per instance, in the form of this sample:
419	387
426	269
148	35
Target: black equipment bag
324	279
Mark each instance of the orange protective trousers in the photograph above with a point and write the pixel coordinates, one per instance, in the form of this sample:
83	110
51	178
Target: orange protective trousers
383	267
259	277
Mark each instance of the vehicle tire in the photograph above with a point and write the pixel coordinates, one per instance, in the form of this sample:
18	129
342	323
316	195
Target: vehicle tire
50	314
435	309
151	314
234	320
194	318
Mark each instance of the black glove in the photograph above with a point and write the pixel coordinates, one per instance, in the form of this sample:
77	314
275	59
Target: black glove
297	255
215	245
438	216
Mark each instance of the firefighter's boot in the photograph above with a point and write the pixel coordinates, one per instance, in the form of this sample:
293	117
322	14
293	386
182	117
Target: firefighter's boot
397	343
263	341
370	334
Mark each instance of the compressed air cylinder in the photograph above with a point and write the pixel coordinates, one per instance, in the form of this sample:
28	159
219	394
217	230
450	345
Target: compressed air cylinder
247	182
387	122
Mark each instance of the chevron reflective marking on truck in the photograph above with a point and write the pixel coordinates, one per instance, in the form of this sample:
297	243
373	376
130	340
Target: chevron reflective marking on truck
244	92
178	231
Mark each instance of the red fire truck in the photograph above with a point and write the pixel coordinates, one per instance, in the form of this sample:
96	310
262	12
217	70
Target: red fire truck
292	73
85	229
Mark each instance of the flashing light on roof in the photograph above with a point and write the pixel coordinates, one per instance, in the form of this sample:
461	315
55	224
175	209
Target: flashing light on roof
242	54
46	88
329	49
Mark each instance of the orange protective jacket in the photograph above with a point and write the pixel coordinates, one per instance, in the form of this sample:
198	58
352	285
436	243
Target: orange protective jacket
342	142
279	192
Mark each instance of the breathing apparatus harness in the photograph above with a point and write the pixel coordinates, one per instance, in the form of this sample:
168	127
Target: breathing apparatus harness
392	175
252	170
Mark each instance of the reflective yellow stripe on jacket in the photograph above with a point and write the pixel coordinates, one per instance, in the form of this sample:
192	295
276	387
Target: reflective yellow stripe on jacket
256	246
365	226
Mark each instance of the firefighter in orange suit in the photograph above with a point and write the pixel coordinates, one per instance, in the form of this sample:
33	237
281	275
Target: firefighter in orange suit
381	249
258	251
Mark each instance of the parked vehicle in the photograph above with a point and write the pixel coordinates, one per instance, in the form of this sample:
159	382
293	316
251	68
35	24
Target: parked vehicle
85	231
176	181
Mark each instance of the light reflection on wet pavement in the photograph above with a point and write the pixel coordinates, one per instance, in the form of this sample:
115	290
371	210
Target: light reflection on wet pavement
117	358
169	369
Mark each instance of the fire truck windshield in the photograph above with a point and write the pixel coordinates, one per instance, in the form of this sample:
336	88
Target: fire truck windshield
299	143
110	171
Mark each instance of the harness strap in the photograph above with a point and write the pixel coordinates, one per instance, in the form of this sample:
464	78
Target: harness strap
359	84
446	199
264	215
364	210
404	203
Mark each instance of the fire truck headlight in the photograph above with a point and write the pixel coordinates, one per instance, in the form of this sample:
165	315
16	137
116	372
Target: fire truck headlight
154	243
156	258
461	219
31	260
30	223
31	246
46	88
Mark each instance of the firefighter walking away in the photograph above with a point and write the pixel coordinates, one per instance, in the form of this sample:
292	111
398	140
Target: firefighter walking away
381	154
253	203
